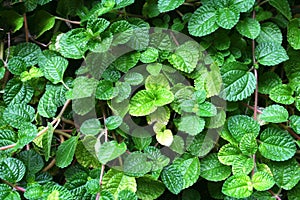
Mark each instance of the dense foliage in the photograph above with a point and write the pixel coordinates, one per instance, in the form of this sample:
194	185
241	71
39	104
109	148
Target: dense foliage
96	104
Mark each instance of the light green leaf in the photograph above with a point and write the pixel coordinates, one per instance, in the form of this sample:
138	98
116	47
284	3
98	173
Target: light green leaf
136	164
242	165
134	78
270	33
249	28
18	114
238	82
227	18
248	144
12	170
286	174
206	109
123	3
150	55
165	137
154	69
157	82
282	94
262	181
238	186
53	66
294	33
98	25
11	20
239	125
110	150
127	194
275	114
168	5
270	54
178	145
172	177
277	145
203	21
16	92
268	81
148	188
66	151
33	73
295	123
90	127
213	170
191	124
185	57
243	5
16	65
228	153
201	145
113	122
40	22
115	181
47	141
283	7
105	90
127	61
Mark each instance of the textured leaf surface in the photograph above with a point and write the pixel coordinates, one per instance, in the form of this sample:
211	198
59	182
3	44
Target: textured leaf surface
12	170
282	94
249	28
295	123
238	186
262	181
136	164
227	18
270	33
228	153
274	114
110	150
66	151
277	145
268	81
294	33
270	54
17	92
173	179
148	188
90	127
18	114
283	7
191	124
168	5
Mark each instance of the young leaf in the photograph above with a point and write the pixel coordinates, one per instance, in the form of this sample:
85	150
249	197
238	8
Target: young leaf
150	55
165	137
294	33
173	179
262	181
148	188
249	28
238	82
242	165
213	170
238	186
47	141
277	145
90	127
282	94
66	151
283	7
228	153
203	21
157	82
168	5
110	150
274	114
12	170
191	124
98	25
270	54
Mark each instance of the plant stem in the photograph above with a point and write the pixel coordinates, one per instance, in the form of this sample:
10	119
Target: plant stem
26	27
67	20
62	133
50	165
290	131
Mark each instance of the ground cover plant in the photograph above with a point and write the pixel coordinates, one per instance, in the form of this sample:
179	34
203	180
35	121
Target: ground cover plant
149	99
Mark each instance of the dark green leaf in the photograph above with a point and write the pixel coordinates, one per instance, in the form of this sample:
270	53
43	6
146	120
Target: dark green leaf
65	152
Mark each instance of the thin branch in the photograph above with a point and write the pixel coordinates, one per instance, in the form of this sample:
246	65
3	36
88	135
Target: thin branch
67	20
50	165
290	131
62	133
67	121
15	186
274	195
8	47
26	27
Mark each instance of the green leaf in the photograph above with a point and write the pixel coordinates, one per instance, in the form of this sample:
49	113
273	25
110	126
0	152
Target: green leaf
150	55
206	109
239	125
110	150
148	188
159	161
127	194
92	186
7	193
47	141
115	181
249	28
238	82
16	92
18	114
294	33
277	145
293	194
275	114
190	194
172	177
32	160
7	137
238	186
201	145
124	91
270	33
262	181
282	94
46	106
105	90
136	164
191	124
134	78
270	54
29	52
168	5
12	170
227	18
123	3
16	65
26	134
33	73
91	127
203	21
228	153
98	25
242	165
157	82
268	81
243	5
165	137
248	144
66	151
53	66
286	174
185	57
40	22
122	31
113	122
73	44
213	170
11	20
295	123
127	61
83	87
282	6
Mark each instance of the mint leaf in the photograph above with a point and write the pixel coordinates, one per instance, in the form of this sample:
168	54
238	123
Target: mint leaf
274	114
168	5
270	54
110	150
282	94
66	151
238	186
249	28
